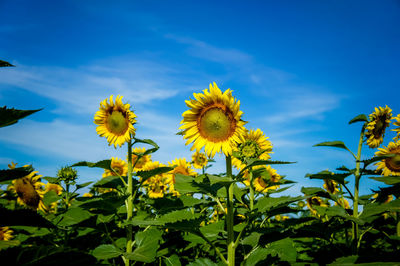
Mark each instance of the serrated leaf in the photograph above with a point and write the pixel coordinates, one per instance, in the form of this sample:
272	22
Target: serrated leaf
212	230
222	180
5	64
256	255
112	182
370	211
338	177
185	184
336	144
11	116
50	197
359	118
377	158
79	186
284	249
172	261
388	180
74	216
315	191
147	243
23	217
104	252
18	172
9	243
267	204
105	164
255	162
252	239
337	211
171	217
157	171
202	262
147	141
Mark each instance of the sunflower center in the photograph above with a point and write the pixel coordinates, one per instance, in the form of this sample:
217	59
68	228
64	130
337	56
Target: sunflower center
216	124
380	127
393	163
27	193
261	182
249	149
201	159
117	123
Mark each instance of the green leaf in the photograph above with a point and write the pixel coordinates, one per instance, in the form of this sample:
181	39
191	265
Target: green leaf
104	252
252	239
11	116
74	216
5	64
185	184
267	204
212	230
23	217
338	177
147	243
172	261
336	144
112	182
371	211
359	118
157	171
284	248
388	180
50	197
255	162
9	243
11	174
202	262
377	158
147	141
256	255
171	217
105	164
79	186
222	180
337	211
315	191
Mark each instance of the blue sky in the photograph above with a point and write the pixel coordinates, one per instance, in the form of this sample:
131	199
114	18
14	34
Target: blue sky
301	69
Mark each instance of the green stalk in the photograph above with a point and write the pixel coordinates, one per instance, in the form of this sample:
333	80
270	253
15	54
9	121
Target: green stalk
129	230
229	216
357	176
251	190
398	223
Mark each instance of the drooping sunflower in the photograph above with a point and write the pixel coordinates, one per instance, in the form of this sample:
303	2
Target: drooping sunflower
397	130
156	186
115	121
253	144
390	165
29	190
331	186
181	166
5	233
213	121
119	168
264	177
378	122
315	201
139	163
199	160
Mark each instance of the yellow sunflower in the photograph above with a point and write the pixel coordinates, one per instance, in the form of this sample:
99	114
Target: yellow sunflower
87	195
315	201
29	190
390	165
5	233
199	160
115	121
343	202
379	121
253	144
156	186
138	164
53	187
331	186
213	121
181	166
397	130
261	183
119	168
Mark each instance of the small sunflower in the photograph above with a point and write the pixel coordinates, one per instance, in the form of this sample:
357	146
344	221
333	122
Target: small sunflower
115	121
53	187
29	190
138	165
379	121
315	201
253	144
265	180
158	185
5	233
199	160
181	166
331	186
213	121
390	165
397	130
343	202
119	168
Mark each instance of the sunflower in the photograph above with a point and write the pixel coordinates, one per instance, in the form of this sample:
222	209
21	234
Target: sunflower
331	186
397	123
118	168
87	195
263	177
156	186
53	187
199	160
139	163
253	144
315	201
213	121
29	190
181	166
115	121
342	202
390	165
5	233
379	121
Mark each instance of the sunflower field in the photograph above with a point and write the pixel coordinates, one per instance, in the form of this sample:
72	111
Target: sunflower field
142	211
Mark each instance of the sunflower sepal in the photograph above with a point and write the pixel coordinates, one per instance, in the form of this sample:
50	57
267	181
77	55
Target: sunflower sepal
359	118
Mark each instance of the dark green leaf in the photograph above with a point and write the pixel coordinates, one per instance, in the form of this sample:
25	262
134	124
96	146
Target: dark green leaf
157	171
186	184
255	162
11	116
315	191
147	141
202	262
105	164
252	239
112	182
10	243
74	216
340	178
284	249
5	64
222	180
212	230
11	174
104	252
267	204
23	217
377	158
147	243
256	255
359	118
79	186
50	197
388	180
336	144
171	217
172	261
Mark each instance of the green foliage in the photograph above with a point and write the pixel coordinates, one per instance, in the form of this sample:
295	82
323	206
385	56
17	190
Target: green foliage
5	64
18	172
11	116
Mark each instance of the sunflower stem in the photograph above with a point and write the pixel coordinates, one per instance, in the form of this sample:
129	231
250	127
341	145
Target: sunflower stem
129	204
251	190
357	176
229	215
